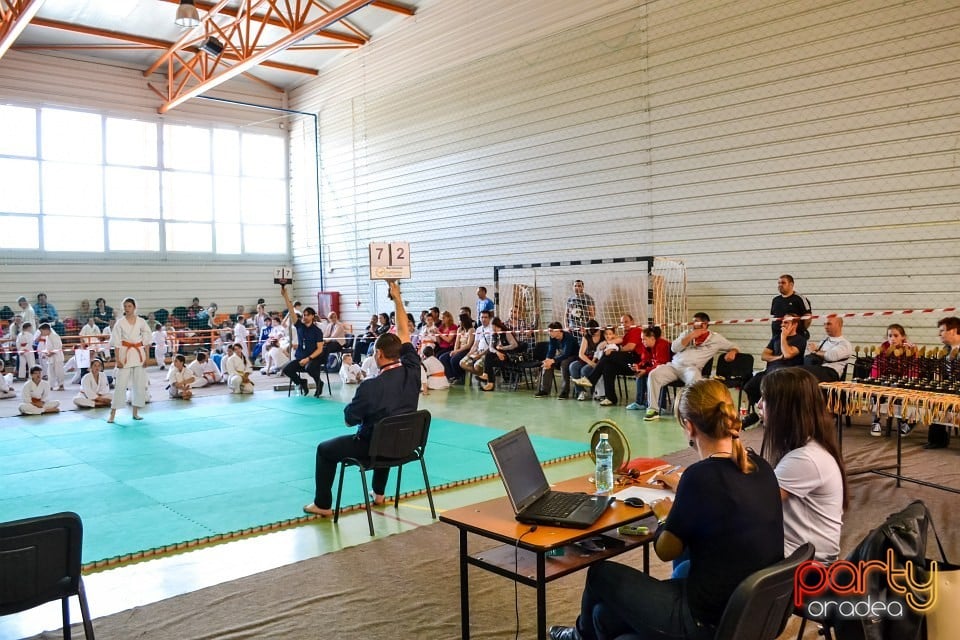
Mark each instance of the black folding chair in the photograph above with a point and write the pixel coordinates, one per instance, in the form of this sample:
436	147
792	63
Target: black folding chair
396	440
735	374
40	563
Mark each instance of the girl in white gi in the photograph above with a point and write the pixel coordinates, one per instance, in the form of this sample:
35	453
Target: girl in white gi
51	348
238	371
350	372
36	395
432	374
6	384
25	351
129	339
94	388
160	346
27	314
277	357
180	378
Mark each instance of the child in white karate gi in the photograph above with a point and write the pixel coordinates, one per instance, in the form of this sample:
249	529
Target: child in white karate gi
35	395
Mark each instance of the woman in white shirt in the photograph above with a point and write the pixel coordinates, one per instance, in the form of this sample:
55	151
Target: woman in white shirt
800	442
238	371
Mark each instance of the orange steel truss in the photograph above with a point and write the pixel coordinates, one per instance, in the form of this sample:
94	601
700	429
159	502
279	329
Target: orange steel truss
15	15
250	34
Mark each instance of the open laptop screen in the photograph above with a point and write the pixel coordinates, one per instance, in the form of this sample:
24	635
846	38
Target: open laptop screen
519	468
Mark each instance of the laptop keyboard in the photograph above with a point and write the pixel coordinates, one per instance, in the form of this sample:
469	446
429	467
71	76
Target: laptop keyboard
560	505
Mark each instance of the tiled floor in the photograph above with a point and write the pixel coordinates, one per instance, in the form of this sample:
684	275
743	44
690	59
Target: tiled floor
117	589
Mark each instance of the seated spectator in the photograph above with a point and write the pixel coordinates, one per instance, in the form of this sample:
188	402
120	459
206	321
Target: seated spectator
6	384
786	350
938	436
896	341
692	349
180	379
204	371
35	395
655	352
800	441
827	358
334	335
350	372
462	346
102	313
260	317
238	371
94	388
498	356
240	315
616	364
84	312
427	334
482	342
46	312
432	375
446	334
362	343
562	351
586	358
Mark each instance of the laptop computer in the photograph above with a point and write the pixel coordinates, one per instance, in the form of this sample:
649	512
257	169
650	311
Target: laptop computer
530	493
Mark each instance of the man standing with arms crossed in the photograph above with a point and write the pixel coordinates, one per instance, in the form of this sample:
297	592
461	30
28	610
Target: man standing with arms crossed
395	391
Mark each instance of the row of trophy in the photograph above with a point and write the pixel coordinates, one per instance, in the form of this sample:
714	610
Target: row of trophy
921	368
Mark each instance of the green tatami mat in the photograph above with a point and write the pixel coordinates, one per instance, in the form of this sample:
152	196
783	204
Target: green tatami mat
202	471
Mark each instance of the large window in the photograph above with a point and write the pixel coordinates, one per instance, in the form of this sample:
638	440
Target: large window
81	181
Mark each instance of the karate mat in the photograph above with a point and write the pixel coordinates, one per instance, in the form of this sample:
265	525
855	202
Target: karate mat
206	473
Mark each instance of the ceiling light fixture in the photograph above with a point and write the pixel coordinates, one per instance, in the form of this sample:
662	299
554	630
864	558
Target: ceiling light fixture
187	15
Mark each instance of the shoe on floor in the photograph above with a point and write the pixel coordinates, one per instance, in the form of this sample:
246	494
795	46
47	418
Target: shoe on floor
651	414
582	382
487	387
540	394
875	430
749	420
583	396
906	428
606	402
935	445
319	391
633	406
304	388
563	396
564	633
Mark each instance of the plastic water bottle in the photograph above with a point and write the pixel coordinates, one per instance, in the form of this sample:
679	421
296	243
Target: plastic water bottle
604	454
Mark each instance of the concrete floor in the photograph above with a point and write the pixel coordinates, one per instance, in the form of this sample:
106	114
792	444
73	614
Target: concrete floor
135	584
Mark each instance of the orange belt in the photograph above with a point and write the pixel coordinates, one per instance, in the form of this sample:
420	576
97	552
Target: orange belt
132	344
439	374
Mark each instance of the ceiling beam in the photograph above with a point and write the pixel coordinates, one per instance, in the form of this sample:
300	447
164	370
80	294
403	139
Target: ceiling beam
389	6
14	19
216	79
276	22
148	43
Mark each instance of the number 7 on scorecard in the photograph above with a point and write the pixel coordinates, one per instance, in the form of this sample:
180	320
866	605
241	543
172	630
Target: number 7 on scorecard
389	260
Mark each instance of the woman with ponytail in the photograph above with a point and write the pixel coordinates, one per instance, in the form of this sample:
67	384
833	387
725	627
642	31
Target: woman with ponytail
800	442
726	517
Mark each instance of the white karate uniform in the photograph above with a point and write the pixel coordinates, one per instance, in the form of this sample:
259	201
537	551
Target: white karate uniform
369	368
350	373
6	386
240	334
277	357
175	376
160	347
52	348
132	373
235	367
90	388
433	374
41	392
25	352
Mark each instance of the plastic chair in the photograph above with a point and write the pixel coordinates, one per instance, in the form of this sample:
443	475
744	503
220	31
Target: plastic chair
761	605
395	441
40	563
736	373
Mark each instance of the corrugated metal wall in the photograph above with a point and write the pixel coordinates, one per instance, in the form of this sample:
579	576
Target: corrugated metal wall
43	80
814	137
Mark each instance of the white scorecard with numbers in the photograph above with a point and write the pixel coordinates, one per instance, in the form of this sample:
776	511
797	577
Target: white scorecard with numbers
389	260
283	275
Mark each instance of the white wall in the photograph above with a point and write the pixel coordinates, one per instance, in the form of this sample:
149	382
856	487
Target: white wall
42	80
813	137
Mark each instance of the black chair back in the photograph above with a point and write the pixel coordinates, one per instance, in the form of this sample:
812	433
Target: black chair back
736	372
40	562
402	437
762	603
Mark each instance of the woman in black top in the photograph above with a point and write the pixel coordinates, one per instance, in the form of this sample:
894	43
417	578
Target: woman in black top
726	517
103	314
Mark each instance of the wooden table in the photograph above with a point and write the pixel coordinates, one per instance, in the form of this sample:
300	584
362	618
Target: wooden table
848	398
523	556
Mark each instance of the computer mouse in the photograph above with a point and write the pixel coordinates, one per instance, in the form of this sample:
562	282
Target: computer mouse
634	502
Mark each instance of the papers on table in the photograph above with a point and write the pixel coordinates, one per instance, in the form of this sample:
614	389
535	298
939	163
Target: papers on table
647	494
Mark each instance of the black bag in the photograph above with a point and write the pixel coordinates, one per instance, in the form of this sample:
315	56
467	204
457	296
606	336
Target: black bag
862	367
906	533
